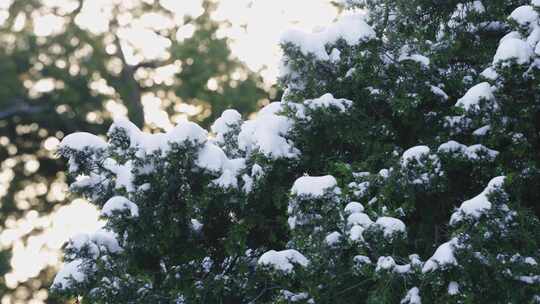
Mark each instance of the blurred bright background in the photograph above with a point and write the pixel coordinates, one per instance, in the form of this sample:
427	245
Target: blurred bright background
68	65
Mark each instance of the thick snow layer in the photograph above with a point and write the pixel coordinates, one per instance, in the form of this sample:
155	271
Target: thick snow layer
223	124
475	150
474	95
95	242
227	118
423	60
360	219
148	143
266	133
211	157
414	153
79	241
283	260
355	234
390	225
439	92
138	139
123	172
534	38
69	271
354	207
119	203
332	238
478	205
453	288
196	225
444	255
490	73
385	263
524	15
314	186
107	239
81	140
361	259
187	131
482	130
230	170
471	152
328	101
412	297
351	28
513	48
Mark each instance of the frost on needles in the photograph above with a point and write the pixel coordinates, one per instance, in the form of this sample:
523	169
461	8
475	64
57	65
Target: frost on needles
399	167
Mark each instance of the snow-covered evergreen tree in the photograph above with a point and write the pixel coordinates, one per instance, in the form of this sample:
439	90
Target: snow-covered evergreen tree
401	166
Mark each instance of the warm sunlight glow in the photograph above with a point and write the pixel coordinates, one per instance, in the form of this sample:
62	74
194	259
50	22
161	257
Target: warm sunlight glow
254	28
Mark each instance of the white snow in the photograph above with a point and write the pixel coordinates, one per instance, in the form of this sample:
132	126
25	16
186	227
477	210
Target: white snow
230	170
81	140
266	133
355	234
412	297
148	143
117	204
385	263
439	92
390	225
79	241
106	239
451	146
478	205
354	207
328	101
352	28
453	288
463	10
524	15
314	186
187	131
211	158
423	60
196	225
283	260
490	73
223	124
96	242
513	48
471	152
474	151
332	238
414	153
335	55
123	172
71	270
360	219
362	259
474	95
482	130
444	255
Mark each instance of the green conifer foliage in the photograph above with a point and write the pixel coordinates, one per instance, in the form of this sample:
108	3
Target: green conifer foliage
391	172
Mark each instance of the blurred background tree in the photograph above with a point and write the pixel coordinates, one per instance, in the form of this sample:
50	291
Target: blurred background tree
70	65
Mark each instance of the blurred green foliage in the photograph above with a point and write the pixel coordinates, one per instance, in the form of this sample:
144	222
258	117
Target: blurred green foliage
68	81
